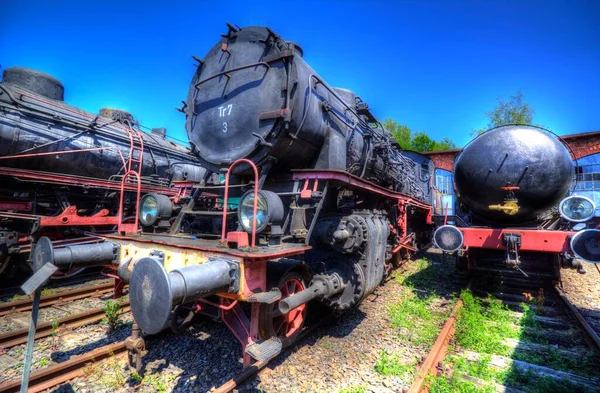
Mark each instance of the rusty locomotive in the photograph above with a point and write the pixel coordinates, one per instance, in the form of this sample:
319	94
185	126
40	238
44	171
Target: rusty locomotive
309	200
63	170
514	212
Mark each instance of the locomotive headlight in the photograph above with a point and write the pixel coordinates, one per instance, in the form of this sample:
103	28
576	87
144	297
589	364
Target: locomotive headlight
577	208
153	207
448	237
269	210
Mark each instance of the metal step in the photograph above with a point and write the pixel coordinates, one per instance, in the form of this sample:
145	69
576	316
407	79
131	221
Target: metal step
264	350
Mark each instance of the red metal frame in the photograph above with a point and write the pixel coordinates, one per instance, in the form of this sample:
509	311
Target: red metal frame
15	205
70	217
531	240
225	199
403	201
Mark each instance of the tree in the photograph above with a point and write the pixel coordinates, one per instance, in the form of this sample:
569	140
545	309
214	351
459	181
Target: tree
419	141
513	111
400	132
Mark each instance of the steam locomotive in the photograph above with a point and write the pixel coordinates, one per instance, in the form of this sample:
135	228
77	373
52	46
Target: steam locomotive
514	213
63	170
309	199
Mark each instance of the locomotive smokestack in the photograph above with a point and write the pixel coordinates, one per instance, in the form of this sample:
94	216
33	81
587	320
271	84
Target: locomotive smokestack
154	292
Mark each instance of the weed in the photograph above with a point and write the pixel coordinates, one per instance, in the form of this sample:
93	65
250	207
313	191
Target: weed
135	376
391	365
115	375
483	329
47	291
43	362
353	389
419	322
530	382
54	333
480	369
158	382
111	311
454	385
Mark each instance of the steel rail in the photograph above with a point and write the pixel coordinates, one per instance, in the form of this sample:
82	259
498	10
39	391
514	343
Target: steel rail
54	375
591	335
61	297
45	329
439	348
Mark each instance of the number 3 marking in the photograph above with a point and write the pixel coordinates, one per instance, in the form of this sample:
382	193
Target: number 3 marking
224	126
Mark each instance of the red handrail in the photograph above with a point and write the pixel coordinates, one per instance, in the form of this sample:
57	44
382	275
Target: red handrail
227	197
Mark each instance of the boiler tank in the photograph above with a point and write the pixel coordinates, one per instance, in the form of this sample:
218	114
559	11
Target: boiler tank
524	164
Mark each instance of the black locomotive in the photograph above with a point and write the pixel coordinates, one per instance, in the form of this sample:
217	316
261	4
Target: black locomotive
310	200
513	174
514	215
61	166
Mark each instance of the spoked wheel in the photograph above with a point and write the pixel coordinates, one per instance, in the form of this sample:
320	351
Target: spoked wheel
288	326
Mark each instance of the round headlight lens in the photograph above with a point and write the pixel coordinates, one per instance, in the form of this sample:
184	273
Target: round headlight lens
577	208
154	207
449	238
148	210
246	211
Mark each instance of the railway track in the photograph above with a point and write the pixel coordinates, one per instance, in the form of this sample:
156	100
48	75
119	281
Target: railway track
48	377
21	305
546	354
8	292
45	329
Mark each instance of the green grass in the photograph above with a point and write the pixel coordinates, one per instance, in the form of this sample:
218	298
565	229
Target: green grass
482	329
112	314
389	364
353	389
482	325
454	385
419	321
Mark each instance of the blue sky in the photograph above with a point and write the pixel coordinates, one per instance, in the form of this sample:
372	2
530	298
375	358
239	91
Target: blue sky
436	66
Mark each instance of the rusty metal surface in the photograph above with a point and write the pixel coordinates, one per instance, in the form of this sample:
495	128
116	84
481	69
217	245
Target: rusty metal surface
592	337
47	301
45	329
438	350
56	374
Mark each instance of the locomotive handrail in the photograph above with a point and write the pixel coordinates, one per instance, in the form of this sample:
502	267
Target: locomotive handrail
225	199
226	72
128	227
68	152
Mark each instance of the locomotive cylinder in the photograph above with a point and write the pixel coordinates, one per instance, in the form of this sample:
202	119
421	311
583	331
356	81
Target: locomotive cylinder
154	292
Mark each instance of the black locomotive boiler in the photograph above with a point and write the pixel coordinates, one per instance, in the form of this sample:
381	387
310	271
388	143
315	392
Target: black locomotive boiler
63	170
310	200
514	215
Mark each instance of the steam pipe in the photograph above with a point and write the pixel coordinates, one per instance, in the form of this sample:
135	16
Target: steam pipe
86	255
322	286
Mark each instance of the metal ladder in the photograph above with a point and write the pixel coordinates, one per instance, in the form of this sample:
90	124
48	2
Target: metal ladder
133	169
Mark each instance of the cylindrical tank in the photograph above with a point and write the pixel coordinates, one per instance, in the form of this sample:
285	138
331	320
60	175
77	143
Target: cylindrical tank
253	96
523	163
33	119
